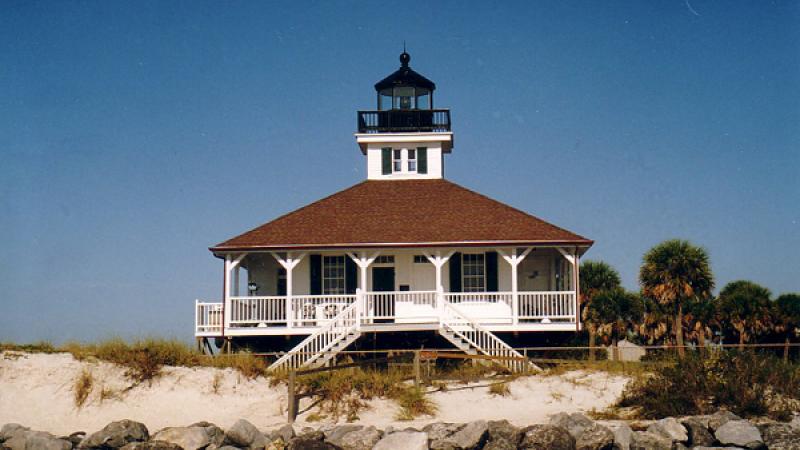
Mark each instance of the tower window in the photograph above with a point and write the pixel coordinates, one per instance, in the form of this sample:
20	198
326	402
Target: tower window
412	160
398	160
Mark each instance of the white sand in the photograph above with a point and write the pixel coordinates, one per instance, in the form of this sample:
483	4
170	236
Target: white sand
36	390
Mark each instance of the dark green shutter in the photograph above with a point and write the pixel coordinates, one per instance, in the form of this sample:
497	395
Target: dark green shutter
386	161
315	274
422	160
491	271
455	272
350	271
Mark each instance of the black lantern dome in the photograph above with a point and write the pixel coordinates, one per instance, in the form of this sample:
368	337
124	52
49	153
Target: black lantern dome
405	89
405	105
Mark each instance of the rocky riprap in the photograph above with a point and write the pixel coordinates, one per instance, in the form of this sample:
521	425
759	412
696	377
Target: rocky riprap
722	430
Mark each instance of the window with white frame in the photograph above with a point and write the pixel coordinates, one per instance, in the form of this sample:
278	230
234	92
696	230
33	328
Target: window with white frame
333	275
397	158
412	160
473	272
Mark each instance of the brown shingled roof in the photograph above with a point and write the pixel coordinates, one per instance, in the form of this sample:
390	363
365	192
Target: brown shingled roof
402	213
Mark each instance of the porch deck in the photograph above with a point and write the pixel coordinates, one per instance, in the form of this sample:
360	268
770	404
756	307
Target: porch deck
386	311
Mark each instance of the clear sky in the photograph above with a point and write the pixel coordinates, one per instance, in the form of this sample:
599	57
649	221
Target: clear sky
134	135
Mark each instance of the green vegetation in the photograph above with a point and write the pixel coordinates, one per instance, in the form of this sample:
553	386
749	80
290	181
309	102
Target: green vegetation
675	272
747	383
413	403
83	387
144	359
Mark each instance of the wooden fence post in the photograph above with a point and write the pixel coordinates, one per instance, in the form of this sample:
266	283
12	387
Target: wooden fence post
292	398
417	371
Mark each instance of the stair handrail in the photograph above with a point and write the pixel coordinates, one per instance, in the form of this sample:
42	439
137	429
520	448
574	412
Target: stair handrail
321	340
496	346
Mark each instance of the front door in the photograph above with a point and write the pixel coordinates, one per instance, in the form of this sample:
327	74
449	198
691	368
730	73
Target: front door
383	281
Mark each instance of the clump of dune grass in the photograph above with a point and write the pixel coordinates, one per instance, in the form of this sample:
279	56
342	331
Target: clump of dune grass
413	403
499	389
82	387
107	393
216	383
144	359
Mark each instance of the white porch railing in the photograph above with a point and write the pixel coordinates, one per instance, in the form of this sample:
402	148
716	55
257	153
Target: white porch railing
258	310
407	305
316	310
546	306
207	318
487	308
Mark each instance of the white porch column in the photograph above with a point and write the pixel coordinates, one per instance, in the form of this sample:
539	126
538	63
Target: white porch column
439	261
514	259
289	264
236	281
363	262
231	265
573	259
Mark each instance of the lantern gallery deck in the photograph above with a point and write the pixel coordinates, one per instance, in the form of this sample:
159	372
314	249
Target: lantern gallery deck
404	250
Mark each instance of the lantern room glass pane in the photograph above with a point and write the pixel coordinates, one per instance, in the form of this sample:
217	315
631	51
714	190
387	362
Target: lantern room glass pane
385	100
404	98
423	99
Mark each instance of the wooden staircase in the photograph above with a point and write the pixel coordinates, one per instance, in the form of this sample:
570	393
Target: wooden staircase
321	346
471	338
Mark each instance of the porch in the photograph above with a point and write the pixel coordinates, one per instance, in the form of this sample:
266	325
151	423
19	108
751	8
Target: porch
388	311
401	289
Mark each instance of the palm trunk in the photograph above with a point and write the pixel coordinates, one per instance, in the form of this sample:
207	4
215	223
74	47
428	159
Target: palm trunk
614	350
592	337
701	341
679	332
786	349
741	341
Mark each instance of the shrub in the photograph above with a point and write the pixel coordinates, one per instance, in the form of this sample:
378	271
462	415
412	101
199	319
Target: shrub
746	383
83	387
413	403
500	389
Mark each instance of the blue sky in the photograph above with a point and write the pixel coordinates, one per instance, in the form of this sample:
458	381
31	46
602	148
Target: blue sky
134	135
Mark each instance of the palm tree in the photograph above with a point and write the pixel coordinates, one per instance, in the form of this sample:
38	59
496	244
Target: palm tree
746	307
788	315
674	272
653	324
613	312
699	318
596	276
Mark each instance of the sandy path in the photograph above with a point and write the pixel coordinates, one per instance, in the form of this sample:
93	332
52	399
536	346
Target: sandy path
36	390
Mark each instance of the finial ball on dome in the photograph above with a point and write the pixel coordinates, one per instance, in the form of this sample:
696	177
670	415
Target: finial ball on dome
404	59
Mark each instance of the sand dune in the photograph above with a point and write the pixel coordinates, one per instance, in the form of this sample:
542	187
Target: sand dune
36	390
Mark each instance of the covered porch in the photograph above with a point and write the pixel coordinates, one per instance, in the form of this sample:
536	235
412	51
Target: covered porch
533	288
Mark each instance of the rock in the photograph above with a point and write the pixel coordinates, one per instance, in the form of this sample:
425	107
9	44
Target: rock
188	438
362	438
671	429
595	437
75	438
116	435
546	437
622	435
35	440
151	445
284	433
216	436
469	437
10	429
406	440
438	431
699	436
780	436
575	423
719	418
645	440
335	432
502	436
740	433
244	434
